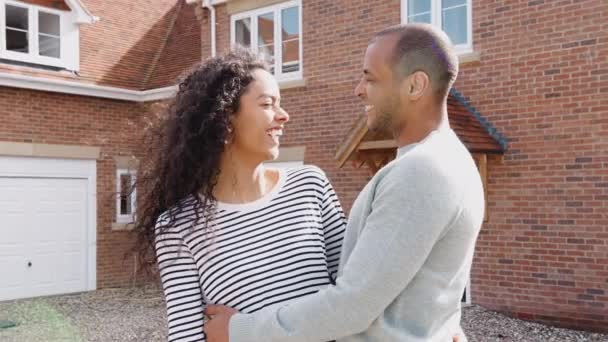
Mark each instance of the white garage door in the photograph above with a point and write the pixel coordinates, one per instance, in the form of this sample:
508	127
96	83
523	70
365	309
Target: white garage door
45	226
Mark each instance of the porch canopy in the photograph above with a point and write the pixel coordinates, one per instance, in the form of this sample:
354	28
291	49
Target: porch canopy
375	149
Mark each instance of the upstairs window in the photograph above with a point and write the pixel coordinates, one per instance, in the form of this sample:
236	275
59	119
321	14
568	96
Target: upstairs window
39	35
451	16
275	33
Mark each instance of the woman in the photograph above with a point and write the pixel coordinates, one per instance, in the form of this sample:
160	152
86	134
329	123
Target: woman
228	229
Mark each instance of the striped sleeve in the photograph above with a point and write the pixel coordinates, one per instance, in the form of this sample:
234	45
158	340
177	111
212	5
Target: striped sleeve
180	283
334	225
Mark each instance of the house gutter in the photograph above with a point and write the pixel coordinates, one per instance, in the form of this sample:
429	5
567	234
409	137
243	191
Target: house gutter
207	4
85	89
210	5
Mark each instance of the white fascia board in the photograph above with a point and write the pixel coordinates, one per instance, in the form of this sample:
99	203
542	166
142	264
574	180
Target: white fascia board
84	89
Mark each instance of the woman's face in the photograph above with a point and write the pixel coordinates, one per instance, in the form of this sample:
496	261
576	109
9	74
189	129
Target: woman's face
258	124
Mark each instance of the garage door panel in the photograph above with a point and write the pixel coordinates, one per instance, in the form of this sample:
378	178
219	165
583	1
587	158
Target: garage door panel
45	223
62	242
72	230
44	268
13	264
46	228
42	208
13	229
72	263
11	202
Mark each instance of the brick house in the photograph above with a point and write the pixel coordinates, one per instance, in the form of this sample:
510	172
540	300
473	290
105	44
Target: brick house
76	79
530	104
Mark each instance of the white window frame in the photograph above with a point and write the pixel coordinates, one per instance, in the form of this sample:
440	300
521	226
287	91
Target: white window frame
68	37
278	51
436	20
125	218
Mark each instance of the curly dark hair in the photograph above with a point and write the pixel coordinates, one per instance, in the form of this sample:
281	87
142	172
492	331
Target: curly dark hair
185	146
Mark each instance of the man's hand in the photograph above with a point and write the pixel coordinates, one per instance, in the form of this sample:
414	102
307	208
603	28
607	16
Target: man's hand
216	328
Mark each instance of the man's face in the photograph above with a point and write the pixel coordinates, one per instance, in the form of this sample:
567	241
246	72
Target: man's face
377	88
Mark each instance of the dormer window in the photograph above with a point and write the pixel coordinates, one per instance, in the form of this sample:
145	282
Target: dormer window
41	35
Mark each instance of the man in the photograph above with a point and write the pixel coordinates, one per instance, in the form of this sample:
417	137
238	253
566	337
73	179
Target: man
411	234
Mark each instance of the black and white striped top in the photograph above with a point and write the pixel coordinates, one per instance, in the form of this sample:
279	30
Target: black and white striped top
283	246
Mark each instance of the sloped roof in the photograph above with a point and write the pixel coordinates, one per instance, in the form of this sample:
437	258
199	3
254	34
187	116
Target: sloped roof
476	133
180	50
133	52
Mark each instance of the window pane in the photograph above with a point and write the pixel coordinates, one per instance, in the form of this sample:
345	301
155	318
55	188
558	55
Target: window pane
452	3
420	18
418	7
48	23
125	194
290	35
243	32
16	41
16	18
49	46
455	24
17	26
266	37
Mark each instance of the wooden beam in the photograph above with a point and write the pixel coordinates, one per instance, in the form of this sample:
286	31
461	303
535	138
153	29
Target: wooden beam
369	161
375	159
347	147
388	157
482	165
358	163
377	145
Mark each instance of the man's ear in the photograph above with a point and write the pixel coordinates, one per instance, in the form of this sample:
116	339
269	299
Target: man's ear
406	87
419	83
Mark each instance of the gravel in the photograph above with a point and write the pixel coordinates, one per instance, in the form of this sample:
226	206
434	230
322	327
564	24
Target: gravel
127	314
138	314
482	325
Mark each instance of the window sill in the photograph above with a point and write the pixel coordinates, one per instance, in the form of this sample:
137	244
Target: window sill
467	57
33	70
35	61
292	83
117	226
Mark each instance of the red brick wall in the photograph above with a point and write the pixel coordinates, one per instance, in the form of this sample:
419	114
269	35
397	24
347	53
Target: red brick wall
50	118
541	81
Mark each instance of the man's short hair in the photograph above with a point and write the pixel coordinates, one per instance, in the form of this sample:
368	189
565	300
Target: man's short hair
421	47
